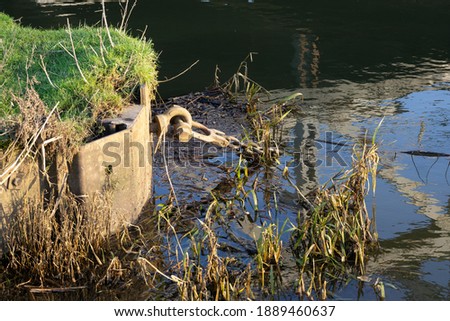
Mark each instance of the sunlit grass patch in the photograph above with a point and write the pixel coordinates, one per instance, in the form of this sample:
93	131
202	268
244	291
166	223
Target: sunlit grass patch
88	72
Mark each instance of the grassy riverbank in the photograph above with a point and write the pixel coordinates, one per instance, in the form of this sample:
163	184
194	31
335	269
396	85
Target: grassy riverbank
55	86
87	72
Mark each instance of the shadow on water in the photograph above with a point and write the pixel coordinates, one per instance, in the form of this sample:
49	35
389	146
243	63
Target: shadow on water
355	62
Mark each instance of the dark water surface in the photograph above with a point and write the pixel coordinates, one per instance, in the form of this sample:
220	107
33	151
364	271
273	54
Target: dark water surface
355	62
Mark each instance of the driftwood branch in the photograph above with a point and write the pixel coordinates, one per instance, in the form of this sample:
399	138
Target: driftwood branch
126	13
425	154
55	290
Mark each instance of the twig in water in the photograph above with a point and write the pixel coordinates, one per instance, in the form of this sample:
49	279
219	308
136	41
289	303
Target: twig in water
180	74
170	278
426	154
55	290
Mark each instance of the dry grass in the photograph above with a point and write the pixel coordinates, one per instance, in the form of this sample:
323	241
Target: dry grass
61	241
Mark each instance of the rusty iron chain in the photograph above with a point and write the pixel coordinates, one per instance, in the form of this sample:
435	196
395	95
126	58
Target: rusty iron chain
183	125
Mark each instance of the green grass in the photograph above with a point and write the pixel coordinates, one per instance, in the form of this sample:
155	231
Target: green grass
97	81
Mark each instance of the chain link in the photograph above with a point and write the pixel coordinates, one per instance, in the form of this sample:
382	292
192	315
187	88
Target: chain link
183	126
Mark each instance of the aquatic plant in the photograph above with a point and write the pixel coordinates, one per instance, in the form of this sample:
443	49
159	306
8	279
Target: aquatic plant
334	232
220	278
261	142
269	248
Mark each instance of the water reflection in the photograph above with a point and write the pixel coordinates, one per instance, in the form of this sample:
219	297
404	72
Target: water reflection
359	42
412	190
307	58
348	111
415	262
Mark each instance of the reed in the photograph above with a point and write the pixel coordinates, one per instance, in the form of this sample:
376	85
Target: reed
220	278
61	241
269	248
261	142
336	233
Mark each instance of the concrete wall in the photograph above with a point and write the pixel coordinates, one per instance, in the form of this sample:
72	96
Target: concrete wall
117	167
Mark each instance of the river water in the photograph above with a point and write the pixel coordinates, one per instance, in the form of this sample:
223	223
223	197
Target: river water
356	62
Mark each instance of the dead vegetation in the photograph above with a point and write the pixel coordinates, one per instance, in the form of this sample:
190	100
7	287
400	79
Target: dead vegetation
58	242
330	242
